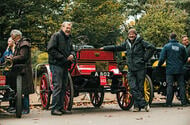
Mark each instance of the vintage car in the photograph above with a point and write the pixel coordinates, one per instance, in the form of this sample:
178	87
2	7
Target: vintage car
155	80
95	72
6	92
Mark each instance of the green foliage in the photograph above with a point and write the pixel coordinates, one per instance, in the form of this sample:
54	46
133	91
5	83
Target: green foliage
37	19
3	46
160	20
97	21
185	5
38	57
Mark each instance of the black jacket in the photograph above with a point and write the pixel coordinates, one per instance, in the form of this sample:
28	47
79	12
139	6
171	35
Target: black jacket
187	65
59	48
137	53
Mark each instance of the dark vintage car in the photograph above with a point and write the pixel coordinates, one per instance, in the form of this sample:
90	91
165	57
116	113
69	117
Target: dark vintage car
158	77
155	80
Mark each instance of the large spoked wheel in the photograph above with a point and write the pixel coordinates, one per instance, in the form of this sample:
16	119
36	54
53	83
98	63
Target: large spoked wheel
45	93
148	90
19	96
124	98
97	98
69	94
188	91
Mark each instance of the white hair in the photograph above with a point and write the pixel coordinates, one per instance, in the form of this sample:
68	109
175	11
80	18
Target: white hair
16	33
66	23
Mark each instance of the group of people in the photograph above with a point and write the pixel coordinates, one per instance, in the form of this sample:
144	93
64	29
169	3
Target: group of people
138	53
19	53
177	58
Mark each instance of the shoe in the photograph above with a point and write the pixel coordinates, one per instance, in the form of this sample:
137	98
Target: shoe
25	111
147	108
56	112
136	109
167	105
184	105
11	110
65	112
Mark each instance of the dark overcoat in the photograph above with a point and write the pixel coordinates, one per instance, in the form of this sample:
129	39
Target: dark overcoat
22	65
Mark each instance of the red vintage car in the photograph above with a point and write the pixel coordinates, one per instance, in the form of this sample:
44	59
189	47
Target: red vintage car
94	71
6	92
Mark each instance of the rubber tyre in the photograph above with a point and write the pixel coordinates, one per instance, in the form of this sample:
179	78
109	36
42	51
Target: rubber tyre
125	99
148	90
45	92
97	98
19	96
68	102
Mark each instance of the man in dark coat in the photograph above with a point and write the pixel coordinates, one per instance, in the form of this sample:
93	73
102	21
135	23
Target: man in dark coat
138	53
185	42
59	51
22	65
175	56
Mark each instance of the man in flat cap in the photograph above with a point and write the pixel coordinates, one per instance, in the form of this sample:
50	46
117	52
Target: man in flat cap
138	52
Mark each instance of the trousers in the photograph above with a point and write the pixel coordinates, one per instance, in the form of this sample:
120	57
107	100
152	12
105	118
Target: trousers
59	80
136	83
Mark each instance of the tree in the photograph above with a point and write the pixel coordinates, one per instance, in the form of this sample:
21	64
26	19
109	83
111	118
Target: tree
160	20
37	19
185	5
96	22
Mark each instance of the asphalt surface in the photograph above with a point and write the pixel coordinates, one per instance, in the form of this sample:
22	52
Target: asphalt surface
108	114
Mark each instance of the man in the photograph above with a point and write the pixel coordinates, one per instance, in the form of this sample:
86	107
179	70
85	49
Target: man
185	42
175	55
138	53
22	65
59	50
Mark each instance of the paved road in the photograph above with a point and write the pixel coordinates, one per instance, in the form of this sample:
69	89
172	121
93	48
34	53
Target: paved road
108	114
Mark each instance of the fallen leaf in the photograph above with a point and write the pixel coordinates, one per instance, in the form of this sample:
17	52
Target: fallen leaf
139	118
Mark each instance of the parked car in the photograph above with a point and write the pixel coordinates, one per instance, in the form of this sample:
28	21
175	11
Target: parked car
94	71
158	77
6	92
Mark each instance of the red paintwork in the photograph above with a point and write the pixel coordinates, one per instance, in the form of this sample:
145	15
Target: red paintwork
87	58
86	64
2	80
95	55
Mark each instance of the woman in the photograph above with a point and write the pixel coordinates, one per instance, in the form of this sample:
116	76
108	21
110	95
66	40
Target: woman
9	51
